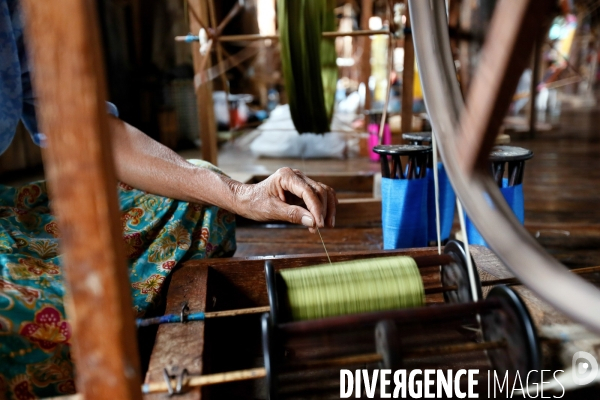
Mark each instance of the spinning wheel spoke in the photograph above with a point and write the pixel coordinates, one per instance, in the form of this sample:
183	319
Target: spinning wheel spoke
465	137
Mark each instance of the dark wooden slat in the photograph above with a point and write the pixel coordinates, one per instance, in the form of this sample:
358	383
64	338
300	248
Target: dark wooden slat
408	77
514	28
69	82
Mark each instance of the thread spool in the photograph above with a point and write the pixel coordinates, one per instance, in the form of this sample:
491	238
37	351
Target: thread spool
353	287
453	276
427	333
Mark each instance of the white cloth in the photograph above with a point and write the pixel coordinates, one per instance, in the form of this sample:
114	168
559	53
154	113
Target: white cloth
279	139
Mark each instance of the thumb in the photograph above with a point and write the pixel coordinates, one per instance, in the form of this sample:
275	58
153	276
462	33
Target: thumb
297	215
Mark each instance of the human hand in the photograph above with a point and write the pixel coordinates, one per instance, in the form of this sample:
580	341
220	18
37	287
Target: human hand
274	200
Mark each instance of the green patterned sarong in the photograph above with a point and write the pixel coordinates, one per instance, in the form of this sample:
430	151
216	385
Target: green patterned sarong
34	331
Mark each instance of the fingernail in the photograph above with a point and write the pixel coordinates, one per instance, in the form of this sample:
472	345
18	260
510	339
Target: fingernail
308	221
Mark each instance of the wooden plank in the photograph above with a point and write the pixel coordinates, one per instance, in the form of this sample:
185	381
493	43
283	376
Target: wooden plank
69	82
514	28
258	241
172	348
198	9
408	77
358	212
291	235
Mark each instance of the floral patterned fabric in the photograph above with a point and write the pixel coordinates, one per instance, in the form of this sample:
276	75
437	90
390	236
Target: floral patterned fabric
158	233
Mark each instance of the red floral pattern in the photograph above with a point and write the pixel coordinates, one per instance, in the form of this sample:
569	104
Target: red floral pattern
48	329
158	234
52	228
27	195
26	294
39	267
169	265
21	388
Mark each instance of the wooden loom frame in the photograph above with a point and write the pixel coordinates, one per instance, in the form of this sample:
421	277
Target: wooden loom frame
70	84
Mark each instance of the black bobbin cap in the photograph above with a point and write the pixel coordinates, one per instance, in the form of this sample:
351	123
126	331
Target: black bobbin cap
510	153
402	149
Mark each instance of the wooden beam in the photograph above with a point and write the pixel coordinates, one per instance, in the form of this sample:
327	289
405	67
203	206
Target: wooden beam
366	12
199	16
506	52
172	348
464	52
408	77
70	85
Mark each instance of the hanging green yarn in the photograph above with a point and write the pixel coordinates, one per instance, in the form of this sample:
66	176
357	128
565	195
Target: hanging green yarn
353	287
308	61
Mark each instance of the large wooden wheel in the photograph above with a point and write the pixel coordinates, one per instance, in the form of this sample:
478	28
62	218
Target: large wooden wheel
465	135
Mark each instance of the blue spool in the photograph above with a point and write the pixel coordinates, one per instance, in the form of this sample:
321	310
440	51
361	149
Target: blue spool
404	195
515	200
447	198
510	187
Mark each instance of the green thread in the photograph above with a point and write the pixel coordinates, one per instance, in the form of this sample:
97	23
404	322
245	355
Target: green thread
353	287
308	61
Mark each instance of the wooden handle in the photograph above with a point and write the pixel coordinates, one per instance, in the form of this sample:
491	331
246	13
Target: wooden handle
204	380
241	311
254	37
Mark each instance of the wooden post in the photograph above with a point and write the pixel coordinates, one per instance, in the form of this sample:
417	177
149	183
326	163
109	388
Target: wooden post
408	76
514	28
70	85
366	12
535	77
464	46
198	9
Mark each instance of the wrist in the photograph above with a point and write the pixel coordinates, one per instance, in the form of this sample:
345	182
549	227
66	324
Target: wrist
213	188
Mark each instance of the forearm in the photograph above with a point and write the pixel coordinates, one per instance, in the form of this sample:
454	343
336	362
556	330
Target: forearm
145	164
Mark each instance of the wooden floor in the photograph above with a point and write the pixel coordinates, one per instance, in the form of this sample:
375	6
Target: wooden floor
562	195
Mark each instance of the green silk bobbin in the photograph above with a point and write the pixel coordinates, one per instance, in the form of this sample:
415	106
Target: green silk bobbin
353	287
308	61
